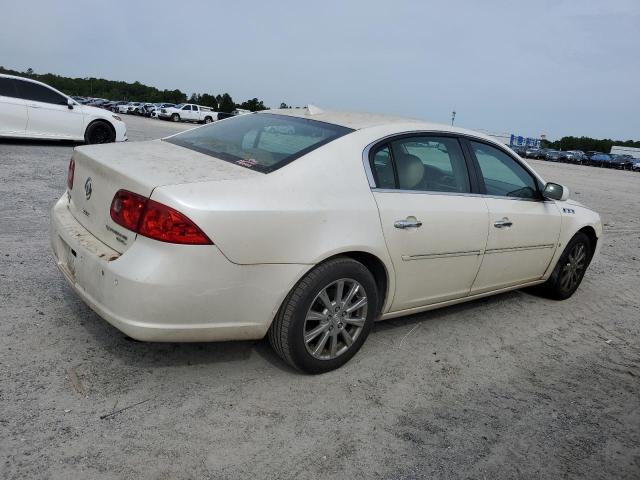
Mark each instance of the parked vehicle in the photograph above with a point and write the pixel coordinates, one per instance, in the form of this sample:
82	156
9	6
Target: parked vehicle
133	107
123	107
600	159
636	165
519	150
555	156
541	154
306	226
621	162
97	102
573	156
32	109
159	106
189	113
532	152
115	106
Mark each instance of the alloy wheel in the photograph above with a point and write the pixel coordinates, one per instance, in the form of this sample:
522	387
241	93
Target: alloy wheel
574	267
335	319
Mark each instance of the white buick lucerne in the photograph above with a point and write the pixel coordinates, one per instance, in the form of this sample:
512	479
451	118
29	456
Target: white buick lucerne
307	226
31	109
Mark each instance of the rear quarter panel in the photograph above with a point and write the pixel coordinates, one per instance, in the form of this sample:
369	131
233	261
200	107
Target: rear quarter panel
315	207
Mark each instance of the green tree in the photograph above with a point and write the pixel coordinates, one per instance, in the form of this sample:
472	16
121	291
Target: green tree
226	104
253	105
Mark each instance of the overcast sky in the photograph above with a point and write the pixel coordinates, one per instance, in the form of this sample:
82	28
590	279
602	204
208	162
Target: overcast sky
532	67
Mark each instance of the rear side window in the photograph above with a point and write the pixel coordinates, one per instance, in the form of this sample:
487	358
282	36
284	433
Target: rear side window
423	163
39	93
502	175
262	141
8	87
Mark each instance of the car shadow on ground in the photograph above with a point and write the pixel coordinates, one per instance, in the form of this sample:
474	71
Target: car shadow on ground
148	354
28	142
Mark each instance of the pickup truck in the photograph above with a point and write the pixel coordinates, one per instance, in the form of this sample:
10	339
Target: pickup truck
188	112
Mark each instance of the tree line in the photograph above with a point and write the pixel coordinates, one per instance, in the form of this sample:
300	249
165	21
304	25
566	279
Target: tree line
136	91
588	144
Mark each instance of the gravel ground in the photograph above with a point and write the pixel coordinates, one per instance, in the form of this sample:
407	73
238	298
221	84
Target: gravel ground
513	386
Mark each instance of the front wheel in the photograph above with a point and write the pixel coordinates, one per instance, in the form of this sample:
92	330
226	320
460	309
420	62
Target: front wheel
99	132
175	117
327	316
570	269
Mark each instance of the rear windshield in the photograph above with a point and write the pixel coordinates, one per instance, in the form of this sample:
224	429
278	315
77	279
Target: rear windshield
262	142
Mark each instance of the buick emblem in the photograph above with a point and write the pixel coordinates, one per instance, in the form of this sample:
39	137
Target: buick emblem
87	188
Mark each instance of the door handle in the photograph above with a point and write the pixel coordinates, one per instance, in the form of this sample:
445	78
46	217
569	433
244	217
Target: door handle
504	223
34	106
409	222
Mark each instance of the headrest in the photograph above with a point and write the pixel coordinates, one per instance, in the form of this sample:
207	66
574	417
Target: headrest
410	170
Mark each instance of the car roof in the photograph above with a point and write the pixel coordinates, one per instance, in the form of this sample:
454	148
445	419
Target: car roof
363	120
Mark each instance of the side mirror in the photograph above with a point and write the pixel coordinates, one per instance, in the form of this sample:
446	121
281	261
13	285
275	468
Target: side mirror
70	104
555	191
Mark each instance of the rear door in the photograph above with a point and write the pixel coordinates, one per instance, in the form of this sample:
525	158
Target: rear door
49	114
523	227
13	110
434	226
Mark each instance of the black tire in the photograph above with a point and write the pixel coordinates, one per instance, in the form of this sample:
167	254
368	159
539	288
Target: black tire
99	132
568	273
287	331
175	117
208	119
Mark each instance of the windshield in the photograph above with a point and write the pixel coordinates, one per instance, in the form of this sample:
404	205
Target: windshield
180	105
262	142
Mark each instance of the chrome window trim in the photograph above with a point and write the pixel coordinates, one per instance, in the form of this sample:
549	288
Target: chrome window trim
458	194
372	182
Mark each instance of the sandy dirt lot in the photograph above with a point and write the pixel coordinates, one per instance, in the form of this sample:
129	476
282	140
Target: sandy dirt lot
513	386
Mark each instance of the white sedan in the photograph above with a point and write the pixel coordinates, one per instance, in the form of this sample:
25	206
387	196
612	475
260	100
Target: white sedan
31	109
307	226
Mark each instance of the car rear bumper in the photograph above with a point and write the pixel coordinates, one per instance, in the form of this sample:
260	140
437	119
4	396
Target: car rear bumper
162	292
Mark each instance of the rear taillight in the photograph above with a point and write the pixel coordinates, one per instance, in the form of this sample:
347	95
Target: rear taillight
70	173
155	220
127	208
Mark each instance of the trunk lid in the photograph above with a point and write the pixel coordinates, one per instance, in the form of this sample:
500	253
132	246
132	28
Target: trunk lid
102	170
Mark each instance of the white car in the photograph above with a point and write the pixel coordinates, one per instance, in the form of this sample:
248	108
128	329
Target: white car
31	109
307	227
188	112
124	107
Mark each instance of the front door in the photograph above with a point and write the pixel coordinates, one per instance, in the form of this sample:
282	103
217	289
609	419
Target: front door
435	230
523	227
49	114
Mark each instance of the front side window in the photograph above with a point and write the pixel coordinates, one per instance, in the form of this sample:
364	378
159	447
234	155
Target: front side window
502	175
186	107
262	142
8	87
39	93
425	163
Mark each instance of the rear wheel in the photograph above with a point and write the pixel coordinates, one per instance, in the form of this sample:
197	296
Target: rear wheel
208	120
99	132
570	269
175	117
326	318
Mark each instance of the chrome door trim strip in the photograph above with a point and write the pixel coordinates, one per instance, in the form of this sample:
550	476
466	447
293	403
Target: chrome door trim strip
428	256
519	249
458	194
